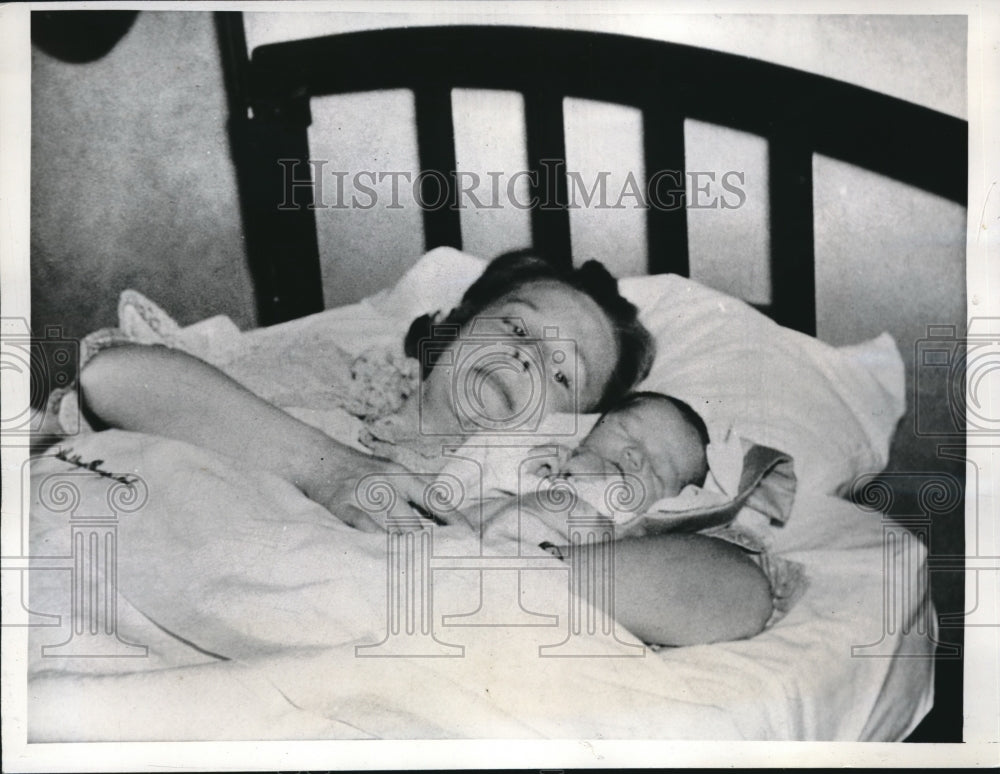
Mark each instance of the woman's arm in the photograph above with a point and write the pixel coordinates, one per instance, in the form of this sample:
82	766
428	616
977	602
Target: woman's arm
670	589
167	392
683	589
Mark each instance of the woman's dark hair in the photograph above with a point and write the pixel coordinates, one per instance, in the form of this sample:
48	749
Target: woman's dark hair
636	346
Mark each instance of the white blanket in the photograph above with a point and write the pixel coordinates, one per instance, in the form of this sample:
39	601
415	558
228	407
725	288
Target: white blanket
251	600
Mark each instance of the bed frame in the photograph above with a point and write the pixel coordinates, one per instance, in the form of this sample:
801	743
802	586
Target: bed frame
798	113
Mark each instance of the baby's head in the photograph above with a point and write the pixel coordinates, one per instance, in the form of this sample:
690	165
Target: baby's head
658	439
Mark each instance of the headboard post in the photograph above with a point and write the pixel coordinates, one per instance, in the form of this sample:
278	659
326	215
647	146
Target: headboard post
268	140
277	204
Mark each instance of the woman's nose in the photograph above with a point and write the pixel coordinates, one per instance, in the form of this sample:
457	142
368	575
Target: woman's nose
520	356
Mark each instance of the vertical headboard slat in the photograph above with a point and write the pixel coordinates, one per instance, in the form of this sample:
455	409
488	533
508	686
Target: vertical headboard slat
793	275
436	146
546	152
666	218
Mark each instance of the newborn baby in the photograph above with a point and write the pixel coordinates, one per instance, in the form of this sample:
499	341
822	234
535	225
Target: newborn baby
655	451
649	465
650	441
650	454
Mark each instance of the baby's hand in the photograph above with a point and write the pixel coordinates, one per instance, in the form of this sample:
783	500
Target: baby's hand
549	460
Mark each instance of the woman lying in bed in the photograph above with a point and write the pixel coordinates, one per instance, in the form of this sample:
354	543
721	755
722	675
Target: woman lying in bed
683	589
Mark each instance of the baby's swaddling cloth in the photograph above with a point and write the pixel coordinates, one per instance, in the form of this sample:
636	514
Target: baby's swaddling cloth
742	475
749	489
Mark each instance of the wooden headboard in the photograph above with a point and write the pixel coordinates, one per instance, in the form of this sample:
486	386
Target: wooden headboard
797	113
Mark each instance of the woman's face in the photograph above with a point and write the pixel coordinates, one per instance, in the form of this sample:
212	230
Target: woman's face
542	348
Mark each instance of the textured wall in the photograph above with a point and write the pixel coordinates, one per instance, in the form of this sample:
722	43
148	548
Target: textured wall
132	184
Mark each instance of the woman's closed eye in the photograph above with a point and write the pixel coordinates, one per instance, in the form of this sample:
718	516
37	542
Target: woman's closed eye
516	326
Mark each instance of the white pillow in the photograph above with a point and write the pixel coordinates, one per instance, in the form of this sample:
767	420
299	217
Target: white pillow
834	410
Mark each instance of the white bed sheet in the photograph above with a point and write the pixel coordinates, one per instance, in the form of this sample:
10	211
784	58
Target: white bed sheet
227	562
238	564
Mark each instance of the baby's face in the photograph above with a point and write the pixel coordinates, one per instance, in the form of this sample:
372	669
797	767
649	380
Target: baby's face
650	440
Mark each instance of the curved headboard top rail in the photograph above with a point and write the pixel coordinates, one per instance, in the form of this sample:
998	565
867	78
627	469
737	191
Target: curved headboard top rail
797	113
837	119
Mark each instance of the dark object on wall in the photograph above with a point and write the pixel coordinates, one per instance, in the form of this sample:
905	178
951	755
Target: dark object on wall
78	37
